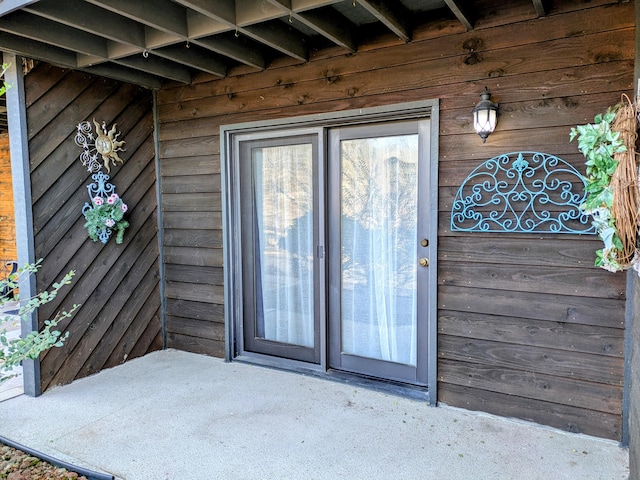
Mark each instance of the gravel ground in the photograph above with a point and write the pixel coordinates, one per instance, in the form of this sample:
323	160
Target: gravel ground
17	465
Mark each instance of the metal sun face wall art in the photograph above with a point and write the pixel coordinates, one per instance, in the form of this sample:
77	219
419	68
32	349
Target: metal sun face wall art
104	213
106	146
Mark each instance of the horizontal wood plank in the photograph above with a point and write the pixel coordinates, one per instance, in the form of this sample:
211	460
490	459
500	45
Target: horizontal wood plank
206	257
533	385
198	220
556	308
195	328
519	331
560	363
209	312
539	279
187	343
194	274
502	249
192	202
195	292
191	184
193	238
570	419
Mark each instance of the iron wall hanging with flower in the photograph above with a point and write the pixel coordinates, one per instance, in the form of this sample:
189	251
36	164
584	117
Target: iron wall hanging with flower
104	214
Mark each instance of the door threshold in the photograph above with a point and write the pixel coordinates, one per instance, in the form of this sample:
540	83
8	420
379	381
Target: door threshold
400	389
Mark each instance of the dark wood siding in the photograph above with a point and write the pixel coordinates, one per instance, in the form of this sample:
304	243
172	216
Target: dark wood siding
116	285
527	326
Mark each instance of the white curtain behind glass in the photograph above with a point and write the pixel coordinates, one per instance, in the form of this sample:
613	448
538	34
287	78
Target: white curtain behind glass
379	235
284	210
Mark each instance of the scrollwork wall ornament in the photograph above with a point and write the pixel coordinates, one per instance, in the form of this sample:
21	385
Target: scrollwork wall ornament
104	213
104	146
521	192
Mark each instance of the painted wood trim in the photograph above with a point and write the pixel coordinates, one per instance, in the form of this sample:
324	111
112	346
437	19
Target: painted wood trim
18	144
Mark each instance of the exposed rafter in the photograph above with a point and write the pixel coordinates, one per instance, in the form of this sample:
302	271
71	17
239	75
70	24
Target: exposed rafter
234	48
89	18
277	36
147	42
333	27
462	11
118	72
46	31
163	15
324	21
392	14
156	66
194	57
222	10
37	50
539	6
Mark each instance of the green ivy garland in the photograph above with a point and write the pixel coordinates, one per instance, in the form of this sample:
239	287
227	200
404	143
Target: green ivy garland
598	143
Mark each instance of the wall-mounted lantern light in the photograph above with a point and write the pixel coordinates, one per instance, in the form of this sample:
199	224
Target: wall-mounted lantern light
485	115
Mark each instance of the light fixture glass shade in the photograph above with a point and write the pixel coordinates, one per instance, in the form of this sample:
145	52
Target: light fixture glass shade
485	115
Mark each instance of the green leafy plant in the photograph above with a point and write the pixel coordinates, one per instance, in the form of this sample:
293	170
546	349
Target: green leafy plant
105	216
599	143
4	86
14	351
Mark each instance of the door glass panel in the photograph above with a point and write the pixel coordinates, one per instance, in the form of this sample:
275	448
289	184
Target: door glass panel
379	192
283	196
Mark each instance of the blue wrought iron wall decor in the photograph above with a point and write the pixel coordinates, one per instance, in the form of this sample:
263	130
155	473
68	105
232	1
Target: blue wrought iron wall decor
104	214
525	192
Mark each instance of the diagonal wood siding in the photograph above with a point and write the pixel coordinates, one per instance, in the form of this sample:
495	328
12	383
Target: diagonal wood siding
527	326
117	285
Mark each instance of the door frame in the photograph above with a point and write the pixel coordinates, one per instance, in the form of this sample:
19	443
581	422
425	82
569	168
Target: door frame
231	220
350	362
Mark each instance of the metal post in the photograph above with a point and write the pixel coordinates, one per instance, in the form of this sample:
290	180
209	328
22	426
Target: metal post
21	177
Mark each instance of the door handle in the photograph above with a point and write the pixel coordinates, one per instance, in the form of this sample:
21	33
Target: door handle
424	262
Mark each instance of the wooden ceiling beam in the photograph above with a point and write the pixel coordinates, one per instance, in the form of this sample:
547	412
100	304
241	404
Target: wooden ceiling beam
235	48
221	10
37	50
84	16
334	27
203	26
194	57
277	36
392	14
462	11
327	24
539	6
124	74
164	15
156	66
40	29
250	12
301	5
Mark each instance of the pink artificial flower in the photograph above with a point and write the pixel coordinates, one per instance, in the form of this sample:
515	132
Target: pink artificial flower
124	207
111	200
98	201
109	222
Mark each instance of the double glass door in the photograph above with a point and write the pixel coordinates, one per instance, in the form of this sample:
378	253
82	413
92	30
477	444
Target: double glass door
335	246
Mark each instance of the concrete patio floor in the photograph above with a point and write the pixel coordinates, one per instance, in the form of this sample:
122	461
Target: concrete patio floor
178	416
